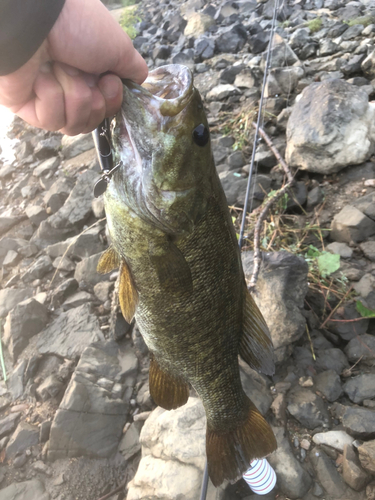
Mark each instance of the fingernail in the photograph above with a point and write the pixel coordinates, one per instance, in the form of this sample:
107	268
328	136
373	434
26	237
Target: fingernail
110	88
46	67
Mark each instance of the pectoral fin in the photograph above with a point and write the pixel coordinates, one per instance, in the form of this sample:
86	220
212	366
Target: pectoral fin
172	269
166	390
256	344
109	261
128	295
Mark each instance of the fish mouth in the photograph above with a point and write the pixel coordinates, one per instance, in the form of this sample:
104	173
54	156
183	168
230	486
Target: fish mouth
167	89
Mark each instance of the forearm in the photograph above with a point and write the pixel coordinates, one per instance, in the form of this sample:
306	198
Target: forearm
24	24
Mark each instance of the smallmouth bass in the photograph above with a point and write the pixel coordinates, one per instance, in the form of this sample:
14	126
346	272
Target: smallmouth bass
180	267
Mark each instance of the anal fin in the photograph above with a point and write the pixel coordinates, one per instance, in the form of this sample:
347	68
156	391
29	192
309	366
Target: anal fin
128	294
166	390
255	343
109	260
229	453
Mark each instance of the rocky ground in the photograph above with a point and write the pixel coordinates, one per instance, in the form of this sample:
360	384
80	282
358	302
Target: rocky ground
75	409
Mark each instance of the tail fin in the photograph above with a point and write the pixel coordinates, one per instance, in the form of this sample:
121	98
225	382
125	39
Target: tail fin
229	454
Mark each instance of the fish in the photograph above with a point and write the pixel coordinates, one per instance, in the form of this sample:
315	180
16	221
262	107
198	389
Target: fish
180	271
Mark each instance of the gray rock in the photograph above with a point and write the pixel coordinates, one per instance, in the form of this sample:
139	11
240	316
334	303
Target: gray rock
36	214
24	321
86	271
47	167
328	383
15	382
77	299
176	471
368	65
334	439
204	48
63	291
57	194
280	292
327	474
102	290
327	47
97	206
366	204
70	333
368	248
349	330
77	207
315	197
24	437
360	388
365	286
73	146
44	431
361	347
86	244
38	269
341	249
292	478
329	137
222	91
231	39
47	235
10	297
359	422
332	359
130	444
9	423
63	264
32	490
281	54
51	387
256	388
7	223
352	472
89	410
47	147
351	225
308	408
299	38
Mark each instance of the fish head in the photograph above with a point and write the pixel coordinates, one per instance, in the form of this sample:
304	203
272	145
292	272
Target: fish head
161	137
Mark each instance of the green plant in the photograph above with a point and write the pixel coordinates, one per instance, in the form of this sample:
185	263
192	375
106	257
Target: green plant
315	24
365	20
129	18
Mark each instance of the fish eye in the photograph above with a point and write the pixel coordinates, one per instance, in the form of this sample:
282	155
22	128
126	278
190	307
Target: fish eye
201	135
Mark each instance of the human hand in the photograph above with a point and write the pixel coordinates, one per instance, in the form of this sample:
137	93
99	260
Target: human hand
60	87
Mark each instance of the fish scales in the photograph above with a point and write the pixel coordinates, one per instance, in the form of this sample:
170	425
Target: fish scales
181	267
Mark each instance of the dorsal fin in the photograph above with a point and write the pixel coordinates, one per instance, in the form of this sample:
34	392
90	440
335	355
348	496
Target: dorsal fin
128	295
256	345
109	261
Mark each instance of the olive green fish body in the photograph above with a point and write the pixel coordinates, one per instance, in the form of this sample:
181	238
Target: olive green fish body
181	272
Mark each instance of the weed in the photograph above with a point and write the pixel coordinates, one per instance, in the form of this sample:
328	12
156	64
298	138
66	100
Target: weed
129	19
315	24
365	20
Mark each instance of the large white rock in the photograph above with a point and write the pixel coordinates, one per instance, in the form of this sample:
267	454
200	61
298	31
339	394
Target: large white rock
330	127
173	454
334	439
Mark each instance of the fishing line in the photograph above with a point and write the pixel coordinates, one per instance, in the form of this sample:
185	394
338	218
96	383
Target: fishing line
259	118
204	483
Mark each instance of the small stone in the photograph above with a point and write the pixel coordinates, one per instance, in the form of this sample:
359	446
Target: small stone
10	297
47	167
44	431
130	444
86	271
24	437
360	388
352	471
102	290
329	384
351	225
198	24
361	347
222	91
359	422
50	388
341	249
305	444
365	286
32	490
38	269
306	381
314	197
327	474
36	214
333	439
366	453
77	299
308	408
20	460
368	248
39	466
8	424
